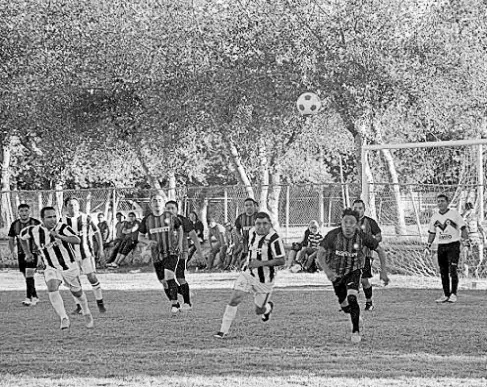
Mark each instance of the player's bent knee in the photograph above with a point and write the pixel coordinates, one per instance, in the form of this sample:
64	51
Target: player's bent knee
181	281
259	309
77	292
53	285
92	278
352	298
29	273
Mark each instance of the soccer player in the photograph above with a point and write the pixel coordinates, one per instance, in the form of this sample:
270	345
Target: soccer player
26	268
130	231
165	234
244	222
188	232
370	226
55	243
451	227
476	237
266	251
341	255
81	224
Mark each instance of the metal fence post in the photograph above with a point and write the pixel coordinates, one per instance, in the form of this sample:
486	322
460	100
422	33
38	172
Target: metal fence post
287	211
225	205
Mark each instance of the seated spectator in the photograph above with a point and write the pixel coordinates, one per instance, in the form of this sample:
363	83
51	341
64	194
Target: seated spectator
119	237
199	228
217	243
105	236
304	253
235	247
130	231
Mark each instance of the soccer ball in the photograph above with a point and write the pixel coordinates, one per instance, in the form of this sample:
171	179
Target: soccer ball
308	104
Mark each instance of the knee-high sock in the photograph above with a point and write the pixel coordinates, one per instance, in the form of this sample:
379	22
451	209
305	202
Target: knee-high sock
28	287
368	293
354	314
184	290
57	303
97	291
454	278
173	290
83	302
228	317
77	302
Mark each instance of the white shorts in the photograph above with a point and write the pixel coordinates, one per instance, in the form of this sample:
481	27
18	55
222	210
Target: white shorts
70	277
87	265
247	283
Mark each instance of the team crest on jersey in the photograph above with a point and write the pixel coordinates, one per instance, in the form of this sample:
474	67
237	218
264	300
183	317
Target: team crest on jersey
159	229
443	226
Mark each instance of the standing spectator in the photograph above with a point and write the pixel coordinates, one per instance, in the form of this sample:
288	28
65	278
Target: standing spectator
234	243
105	237
26	268
217	243
130	232
451	227
119	237
199	229
244	223
476	236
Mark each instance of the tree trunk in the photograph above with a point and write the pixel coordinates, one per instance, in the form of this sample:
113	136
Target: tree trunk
171	178
58	187
7	211
264	180
240	171
273	198
154	182
370	190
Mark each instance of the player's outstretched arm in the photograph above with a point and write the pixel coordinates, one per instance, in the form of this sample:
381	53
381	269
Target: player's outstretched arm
323	257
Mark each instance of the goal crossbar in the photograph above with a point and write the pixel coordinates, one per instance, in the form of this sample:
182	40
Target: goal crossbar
431	144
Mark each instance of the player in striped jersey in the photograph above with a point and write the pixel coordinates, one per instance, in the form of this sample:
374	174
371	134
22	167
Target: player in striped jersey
55	244
26	268
370	226
266	251
165	234
81	224
188	232
244	223
341	255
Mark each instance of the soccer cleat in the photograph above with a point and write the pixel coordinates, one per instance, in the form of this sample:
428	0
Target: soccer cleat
89	323
175	309
452	299
112	265
77	310
369	306
356	338
186	307
267	316
442	299
27	302
34	301
65	323
220	335
101	307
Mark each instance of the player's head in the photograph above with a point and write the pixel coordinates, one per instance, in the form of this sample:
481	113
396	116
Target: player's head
263	223
350	220
172	207
468	206
119	216
157	204
359	206
72	205
313	226
211	221
193	216
101	217
229	226
250	206
49	217
443	201
24	211
132	216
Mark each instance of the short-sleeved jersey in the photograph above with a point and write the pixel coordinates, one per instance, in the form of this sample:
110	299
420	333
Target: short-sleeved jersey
16	228
448	226
199	228
162	229
118	230
311	240
54	252
134	235
84	227
369	226
104	230
244	223
216	231
187	228
265	248
345	255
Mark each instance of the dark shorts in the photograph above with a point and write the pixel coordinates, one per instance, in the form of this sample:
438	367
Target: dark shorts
347	282
181	267
167	263
367	270
448	254
23	264
127	246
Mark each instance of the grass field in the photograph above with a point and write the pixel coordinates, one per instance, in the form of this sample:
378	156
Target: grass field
408	340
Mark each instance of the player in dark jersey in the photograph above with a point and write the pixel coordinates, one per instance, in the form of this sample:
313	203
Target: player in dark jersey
188	232
26	268
244	223
370	226
165	234
341	255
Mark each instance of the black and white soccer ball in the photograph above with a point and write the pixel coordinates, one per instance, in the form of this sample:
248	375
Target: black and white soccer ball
308	104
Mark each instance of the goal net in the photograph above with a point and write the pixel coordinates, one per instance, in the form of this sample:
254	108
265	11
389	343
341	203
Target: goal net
400	182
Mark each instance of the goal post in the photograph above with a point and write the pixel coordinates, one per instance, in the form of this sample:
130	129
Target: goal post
400	183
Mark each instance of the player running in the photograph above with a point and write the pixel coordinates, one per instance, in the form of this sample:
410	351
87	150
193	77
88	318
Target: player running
81	224
341	255
165	233
266	251
188	232
370	226
244	223
55	243
26	268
